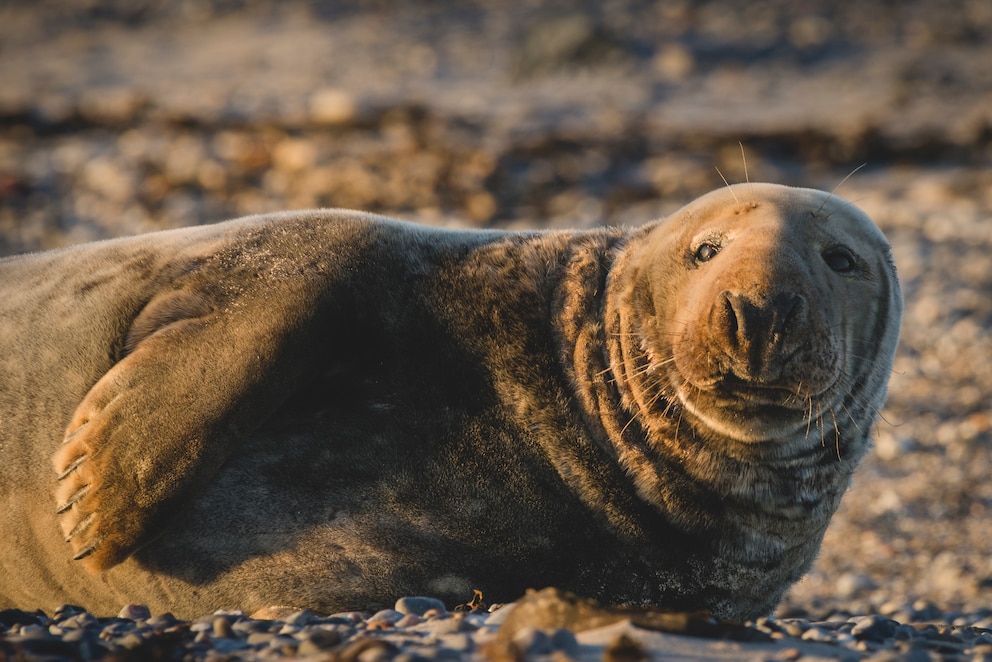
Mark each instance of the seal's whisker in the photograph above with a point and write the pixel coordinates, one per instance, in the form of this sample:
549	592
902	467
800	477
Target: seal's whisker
747	178
729	187
850	416
826	199
624	428
836	431
845	203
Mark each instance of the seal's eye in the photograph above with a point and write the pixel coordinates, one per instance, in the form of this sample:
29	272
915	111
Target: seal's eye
706	252
840	260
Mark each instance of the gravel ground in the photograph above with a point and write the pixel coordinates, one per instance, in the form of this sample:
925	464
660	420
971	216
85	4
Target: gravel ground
124	117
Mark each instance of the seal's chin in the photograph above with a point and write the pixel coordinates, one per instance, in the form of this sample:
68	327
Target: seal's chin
749	414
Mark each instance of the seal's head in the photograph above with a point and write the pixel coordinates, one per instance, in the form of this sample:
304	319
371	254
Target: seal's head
762	310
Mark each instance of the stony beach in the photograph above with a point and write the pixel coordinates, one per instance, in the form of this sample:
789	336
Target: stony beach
125	117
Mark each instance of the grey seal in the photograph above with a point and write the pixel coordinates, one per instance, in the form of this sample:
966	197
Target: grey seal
329	409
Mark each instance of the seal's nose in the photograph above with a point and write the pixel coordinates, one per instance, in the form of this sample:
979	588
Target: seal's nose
760	330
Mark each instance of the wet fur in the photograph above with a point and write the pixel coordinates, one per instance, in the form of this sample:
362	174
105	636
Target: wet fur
328	410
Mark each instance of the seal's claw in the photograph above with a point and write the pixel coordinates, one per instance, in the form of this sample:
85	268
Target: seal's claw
80	527
73	499
87	551
72	466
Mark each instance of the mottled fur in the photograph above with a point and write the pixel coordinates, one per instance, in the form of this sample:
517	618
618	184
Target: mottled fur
328	409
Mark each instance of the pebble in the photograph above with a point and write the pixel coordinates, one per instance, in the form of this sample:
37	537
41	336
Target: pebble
135	612
418	605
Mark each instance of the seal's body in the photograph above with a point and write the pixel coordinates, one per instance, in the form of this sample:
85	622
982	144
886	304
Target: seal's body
329	409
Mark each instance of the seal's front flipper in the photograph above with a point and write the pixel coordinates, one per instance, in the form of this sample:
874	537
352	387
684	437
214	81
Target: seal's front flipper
200	370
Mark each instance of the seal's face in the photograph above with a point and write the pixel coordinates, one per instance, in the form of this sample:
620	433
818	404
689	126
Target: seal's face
779	306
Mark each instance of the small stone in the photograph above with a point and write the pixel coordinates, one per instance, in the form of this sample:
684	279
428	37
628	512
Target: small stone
674	63
793	629
624	649
79	621
388	616
294	155
162	621
369	650
299	618
818	634
222	628
874	628
317	641
245	627
332	106
135	612
408	621
418	605
11	617
66	611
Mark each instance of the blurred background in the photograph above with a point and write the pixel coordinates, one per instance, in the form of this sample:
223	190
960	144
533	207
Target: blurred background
126	116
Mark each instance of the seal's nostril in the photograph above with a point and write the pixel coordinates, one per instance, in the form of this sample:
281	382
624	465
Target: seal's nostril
787	310
731	314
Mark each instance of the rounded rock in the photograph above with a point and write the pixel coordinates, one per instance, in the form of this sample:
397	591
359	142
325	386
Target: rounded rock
332	107
317	641
874	628
418	605
222	628
388	616
135	612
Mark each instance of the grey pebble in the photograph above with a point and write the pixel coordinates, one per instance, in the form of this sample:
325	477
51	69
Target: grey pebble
79	621
317	641
874	628
299	618
408	621
389	616
247	626
135	612
418	605
818	634
222	628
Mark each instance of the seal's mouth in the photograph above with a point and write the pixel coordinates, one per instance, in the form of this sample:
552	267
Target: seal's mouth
752	411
